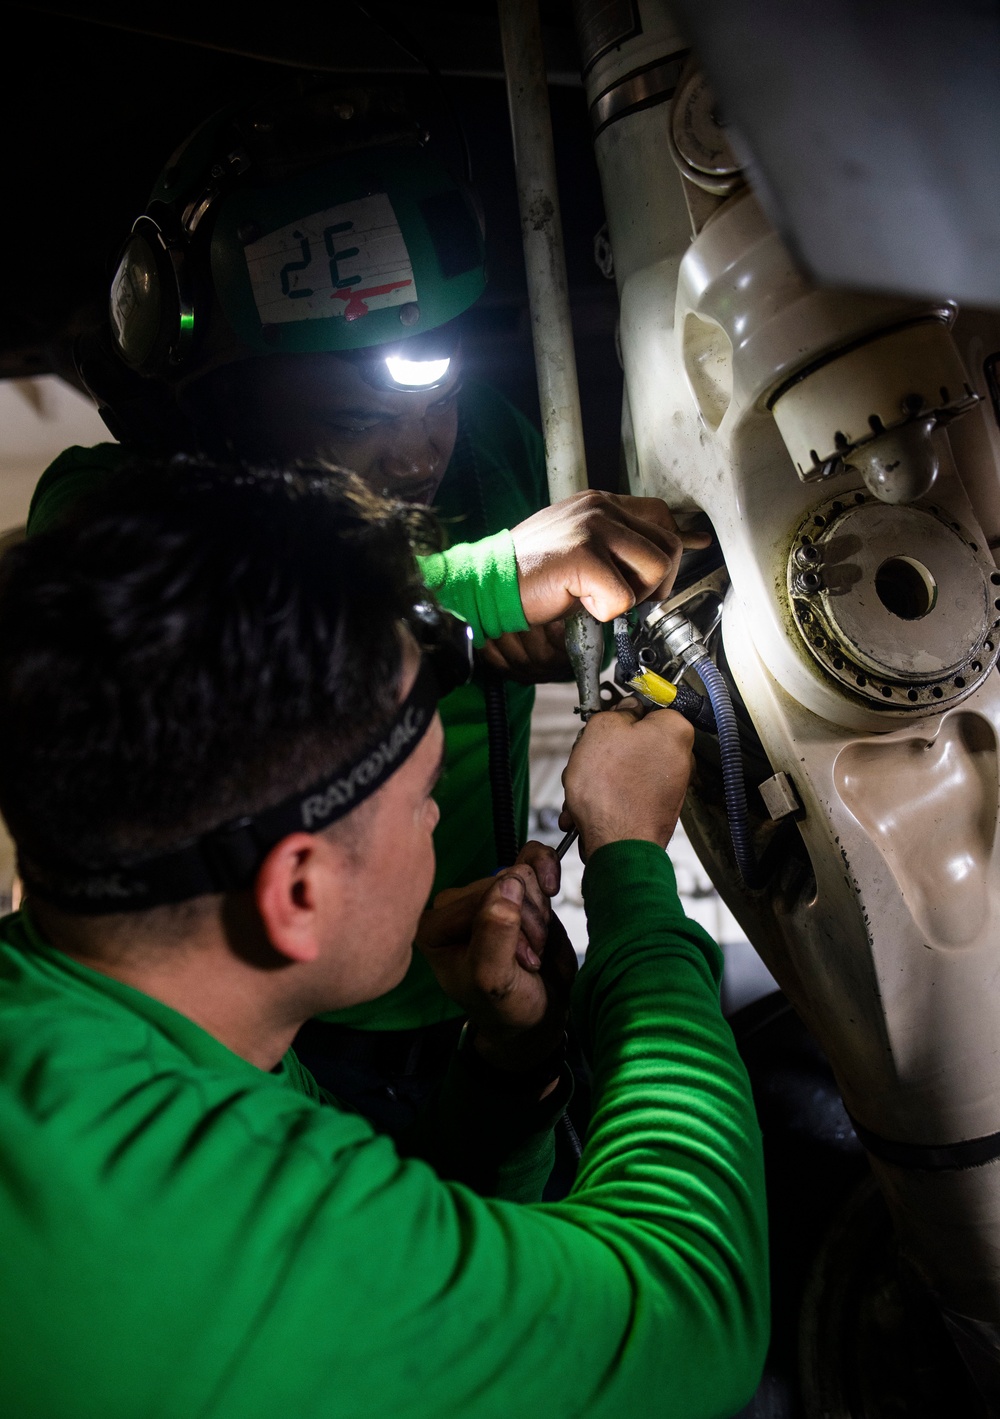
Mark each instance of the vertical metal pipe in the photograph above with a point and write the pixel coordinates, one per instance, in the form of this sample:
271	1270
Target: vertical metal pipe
548	298
544	258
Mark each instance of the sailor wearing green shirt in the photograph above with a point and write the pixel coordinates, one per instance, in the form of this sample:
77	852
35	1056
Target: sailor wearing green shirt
293	291
217	747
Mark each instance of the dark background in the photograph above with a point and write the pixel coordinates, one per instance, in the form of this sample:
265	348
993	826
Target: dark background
94	103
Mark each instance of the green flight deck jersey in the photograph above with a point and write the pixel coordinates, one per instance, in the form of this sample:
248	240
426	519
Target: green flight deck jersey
186	1235
495	479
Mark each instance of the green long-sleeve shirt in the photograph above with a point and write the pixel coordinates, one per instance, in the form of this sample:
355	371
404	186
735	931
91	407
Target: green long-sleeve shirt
185	1235
495	480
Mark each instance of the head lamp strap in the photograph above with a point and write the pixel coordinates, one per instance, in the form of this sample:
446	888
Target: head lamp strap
227	858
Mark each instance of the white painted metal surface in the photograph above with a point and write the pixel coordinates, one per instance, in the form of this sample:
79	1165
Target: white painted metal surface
885	930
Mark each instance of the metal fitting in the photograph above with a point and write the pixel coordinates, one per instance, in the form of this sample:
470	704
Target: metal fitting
677	632
780	797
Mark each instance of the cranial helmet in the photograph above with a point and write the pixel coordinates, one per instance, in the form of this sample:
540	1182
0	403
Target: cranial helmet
309	222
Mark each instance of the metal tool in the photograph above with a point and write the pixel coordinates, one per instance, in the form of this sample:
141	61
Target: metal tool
567	843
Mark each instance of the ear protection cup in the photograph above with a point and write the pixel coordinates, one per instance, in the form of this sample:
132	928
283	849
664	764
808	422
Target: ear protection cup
141	413
151	306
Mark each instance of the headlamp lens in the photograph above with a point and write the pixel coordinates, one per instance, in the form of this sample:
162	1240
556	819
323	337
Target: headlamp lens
446	641
416	374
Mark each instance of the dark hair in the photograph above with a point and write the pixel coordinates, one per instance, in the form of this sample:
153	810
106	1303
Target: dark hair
191	646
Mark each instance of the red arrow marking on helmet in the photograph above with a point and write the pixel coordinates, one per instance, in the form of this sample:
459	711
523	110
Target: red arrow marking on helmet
355	307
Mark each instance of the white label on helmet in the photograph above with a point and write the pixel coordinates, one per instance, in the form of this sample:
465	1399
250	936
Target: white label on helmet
345	261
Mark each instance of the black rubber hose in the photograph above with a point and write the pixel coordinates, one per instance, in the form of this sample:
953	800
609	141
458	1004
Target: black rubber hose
628	661
731	757
465	465
689	703
501	784
695	708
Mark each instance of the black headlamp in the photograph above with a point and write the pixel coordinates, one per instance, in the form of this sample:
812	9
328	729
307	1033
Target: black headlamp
227	858
446	642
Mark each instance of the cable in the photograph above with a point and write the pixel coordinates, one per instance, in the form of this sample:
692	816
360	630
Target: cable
408	45
628	661
572	1137
501	783
688	702
731	757
505	836
716	715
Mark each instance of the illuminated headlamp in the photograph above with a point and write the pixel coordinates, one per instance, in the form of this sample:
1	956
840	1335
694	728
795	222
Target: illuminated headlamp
416	374
414	365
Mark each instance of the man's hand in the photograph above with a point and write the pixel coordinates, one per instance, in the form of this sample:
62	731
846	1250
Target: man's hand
509	975
603	551
627	776
450	921
531	657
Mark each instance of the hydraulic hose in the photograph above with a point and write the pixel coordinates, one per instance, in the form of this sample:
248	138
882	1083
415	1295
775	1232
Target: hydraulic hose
688	702
696	708
731	757
501	784
628	661
466	467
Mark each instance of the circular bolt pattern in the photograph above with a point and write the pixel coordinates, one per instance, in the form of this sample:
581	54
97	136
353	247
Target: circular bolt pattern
897	603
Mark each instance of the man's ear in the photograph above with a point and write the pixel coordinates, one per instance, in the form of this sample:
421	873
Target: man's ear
294	891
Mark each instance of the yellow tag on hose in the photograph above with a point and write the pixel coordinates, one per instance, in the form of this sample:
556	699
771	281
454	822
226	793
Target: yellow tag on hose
654	687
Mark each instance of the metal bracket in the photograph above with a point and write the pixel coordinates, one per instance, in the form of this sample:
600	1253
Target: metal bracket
716	582
780	798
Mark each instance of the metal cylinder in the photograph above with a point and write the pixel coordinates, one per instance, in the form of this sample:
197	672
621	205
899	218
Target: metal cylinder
548	297
544	259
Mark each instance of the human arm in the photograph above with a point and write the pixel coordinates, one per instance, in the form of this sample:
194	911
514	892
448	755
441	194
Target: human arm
478	1131
666	1265
605	550
671	1177
286	1259
74	475
646	1289
497	480
657	1295
602	551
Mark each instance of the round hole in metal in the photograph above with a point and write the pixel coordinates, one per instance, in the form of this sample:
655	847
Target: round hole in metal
906	588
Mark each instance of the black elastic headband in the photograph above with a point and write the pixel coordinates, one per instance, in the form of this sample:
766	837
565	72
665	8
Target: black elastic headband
226	859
